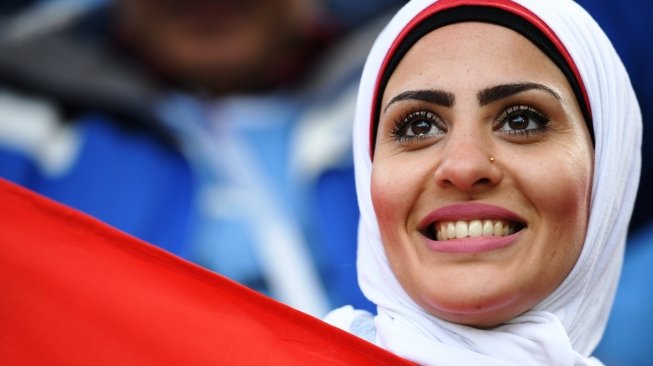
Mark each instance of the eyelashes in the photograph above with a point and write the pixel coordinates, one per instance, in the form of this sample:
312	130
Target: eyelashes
521	120
517	121
417	124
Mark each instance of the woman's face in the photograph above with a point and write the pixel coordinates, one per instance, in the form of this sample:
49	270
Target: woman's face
482	174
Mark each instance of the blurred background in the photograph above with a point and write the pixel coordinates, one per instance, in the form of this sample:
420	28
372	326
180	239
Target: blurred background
216	130
219	130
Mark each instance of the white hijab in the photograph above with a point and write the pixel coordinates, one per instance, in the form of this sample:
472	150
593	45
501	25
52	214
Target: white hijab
565	328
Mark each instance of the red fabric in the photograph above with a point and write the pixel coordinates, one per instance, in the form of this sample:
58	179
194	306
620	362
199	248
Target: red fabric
74	291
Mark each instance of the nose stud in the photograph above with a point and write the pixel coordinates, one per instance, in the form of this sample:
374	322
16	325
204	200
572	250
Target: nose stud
491	159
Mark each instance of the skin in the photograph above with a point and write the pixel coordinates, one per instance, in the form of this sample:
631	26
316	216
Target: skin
220	45
543	175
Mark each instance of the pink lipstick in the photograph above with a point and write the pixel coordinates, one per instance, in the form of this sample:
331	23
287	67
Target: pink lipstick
471	228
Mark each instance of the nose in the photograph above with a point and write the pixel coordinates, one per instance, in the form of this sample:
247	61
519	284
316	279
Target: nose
468	166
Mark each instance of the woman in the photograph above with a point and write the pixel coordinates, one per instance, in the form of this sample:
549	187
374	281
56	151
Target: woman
497	159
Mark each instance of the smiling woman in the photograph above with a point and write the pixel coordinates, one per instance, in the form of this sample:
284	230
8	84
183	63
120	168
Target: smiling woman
495	189
521	111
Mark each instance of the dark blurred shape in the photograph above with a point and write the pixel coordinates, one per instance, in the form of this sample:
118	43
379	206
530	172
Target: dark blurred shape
352	12
9	7
223	46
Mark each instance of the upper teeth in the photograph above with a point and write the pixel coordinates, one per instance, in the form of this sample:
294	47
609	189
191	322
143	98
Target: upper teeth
446	230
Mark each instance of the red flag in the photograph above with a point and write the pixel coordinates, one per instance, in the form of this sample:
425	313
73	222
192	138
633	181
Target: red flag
74	291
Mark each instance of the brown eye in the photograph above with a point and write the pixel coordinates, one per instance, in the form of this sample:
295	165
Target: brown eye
418	124
518	122
419	127
521	120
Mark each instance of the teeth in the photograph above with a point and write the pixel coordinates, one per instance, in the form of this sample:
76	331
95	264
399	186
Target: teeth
498	229
461	229
488	228
451	230
506	230
475	228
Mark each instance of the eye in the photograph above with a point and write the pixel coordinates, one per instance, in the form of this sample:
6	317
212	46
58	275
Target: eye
417	124
521	120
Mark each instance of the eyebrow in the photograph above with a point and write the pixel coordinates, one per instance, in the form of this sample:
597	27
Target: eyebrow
440	97
492	94
484	96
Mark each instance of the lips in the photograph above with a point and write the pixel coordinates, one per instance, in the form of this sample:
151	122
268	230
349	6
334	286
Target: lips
470	220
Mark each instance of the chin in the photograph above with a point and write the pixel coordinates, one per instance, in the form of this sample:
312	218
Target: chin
483	312
478	320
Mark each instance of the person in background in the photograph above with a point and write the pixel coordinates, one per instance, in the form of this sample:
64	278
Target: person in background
217	130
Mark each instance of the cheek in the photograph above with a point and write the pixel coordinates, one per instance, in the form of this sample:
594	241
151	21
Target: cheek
394	188
560	193
393	197
384	193
568	185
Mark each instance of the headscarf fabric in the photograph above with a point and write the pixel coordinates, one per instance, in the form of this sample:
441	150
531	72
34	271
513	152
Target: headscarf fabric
565	327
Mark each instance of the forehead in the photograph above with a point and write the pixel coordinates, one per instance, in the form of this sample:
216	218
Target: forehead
472	54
